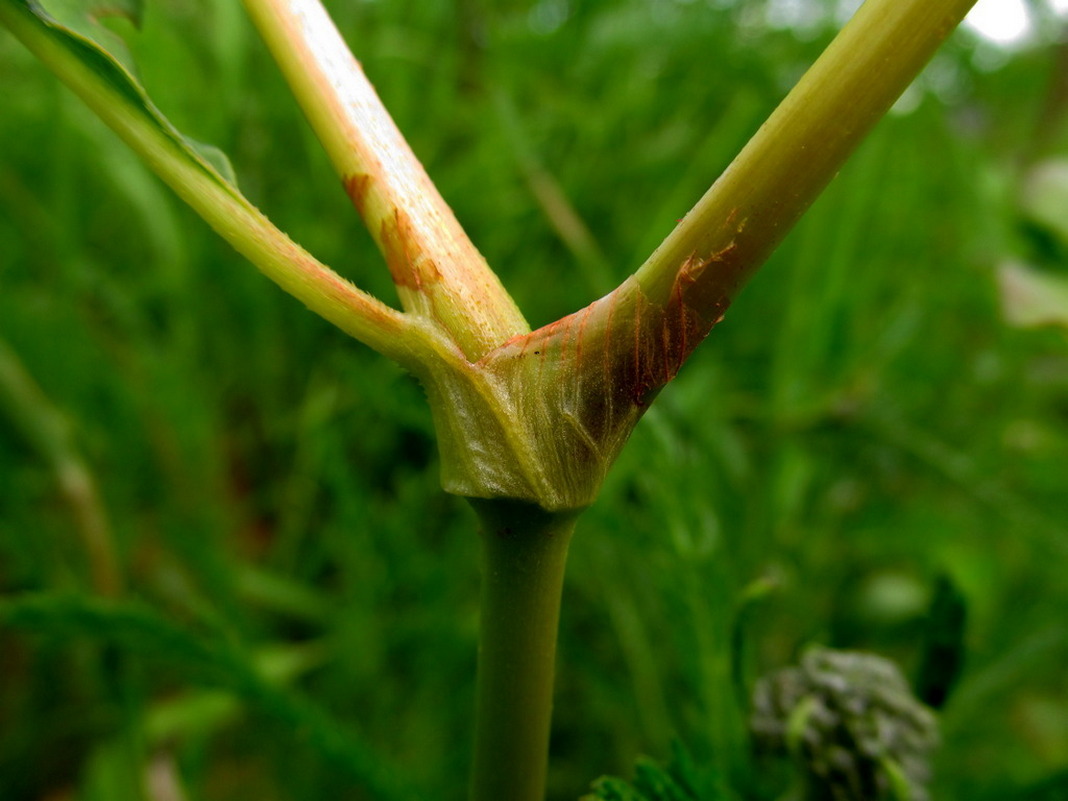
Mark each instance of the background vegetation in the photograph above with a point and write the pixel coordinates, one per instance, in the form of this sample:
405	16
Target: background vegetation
298	603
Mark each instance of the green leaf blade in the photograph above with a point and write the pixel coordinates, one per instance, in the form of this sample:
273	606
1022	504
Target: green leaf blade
83	18
73	27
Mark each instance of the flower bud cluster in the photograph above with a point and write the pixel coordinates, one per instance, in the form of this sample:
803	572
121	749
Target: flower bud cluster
852	722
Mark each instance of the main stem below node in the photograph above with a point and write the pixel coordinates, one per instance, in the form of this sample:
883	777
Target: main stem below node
524	552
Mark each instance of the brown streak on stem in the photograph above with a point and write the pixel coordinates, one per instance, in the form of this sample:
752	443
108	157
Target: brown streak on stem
357	186
582	333
566	337
407	261
635	381
663	346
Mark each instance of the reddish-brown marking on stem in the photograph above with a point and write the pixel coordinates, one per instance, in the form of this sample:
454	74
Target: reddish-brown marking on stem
512	341
665	336
565	336
582	332
357	186
635	381
407	263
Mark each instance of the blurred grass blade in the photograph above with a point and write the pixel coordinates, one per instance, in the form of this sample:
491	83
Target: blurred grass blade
208	660
51	435
943	649
201	712
568	225
98	76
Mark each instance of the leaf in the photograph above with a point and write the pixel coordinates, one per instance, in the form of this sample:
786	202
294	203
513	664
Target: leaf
204	181
608	788
83	18
74	26
1031	299
678	780
89	11
215	158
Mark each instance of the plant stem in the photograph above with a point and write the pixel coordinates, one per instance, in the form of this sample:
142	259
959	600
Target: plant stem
223	207
795	154
524	551
438	272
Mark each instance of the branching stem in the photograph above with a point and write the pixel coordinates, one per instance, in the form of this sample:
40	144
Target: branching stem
504	401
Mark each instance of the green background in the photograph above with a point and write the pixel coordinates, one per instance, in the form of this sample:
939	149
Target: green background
300	613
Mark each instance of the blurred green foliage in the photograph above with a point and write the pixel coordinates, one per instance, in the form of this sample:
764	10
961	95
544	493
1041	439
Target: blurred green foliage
680	780
299	614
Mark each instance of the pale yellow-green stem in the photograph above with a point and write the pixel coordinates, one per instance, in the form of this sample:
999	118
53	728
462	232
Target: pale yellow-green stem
590	376
738	223
439	273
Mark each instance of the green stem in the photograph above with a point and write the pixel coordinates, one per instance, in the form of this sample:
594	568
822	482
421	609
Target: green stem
524	551
784	167
92	75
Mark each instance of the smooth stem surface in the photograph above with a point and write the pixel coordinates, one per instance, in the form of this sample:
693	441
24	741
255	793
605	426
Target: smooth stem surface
438	272
788	162
524	551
